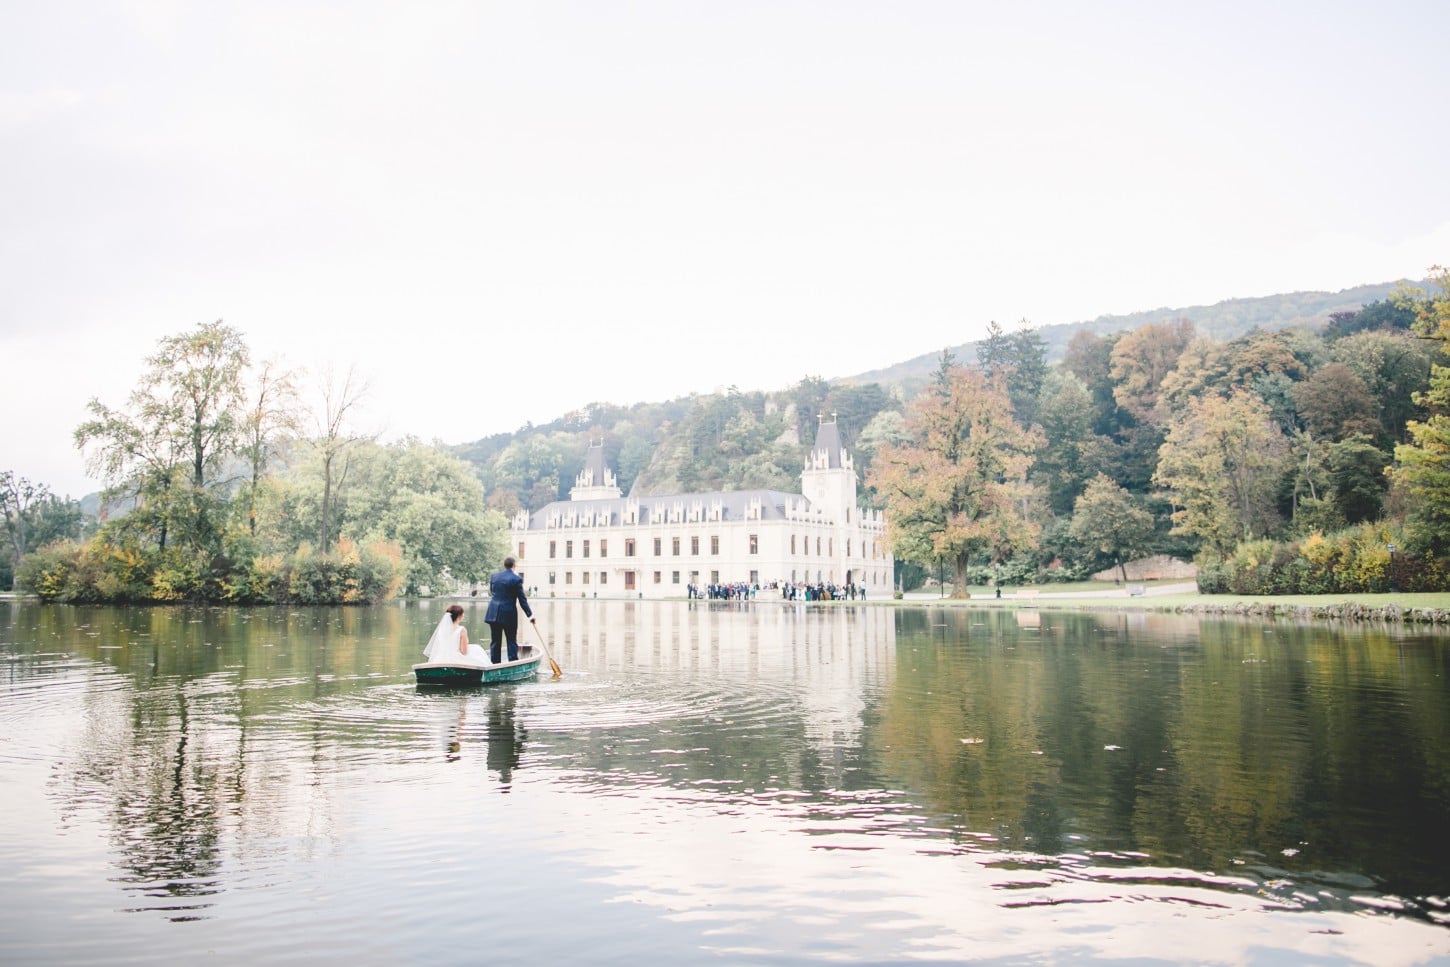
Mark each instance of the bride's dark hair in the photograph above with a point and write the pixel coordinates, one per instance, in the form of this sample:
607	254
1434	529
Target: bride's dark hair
456	610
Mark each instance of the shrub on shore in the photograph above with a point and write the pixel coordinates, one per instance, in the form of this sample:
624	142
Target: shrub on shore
99	572
1356	560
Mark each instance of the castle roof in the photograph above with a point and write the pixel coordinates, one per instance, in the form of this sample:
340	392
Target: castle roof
828	447
594	463
734	505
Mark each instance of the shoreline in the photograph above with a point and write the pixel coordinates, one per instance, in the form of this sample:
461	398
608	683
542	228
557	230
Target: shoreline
1417	609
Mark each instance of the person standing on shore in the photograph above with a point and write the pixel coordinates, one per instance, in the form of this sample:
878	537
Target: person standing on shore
506	597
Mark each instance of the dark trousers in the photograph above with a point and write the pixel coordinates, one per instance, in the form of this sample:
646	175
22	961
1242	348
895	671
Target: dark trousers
496	630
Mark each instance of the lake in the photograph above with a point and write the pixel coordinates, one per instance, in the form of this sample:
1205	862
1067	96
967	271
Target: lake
723	783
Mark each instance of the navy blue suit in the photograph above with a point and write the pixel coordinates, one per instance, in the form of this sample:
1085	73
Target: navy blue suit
506	596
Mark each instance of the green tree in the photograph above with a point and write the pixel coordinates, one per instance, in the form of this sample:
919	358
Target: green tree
18	496
165	451
430	504
1073	452
1109	520
1423	464
1019	359
1394	368
1357	478
1221	462
271	413
33	517
334	443
809	397
958	488
1089	357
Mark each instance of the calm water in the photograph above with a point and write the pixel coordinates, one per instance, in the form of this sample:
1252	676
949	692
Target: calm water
722	784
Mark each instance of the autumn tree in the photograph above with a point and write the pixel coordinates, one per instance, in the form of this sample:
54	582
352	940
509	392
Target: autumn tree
1261	362
1334	403
1111	521
1221	463
958	487
1141	360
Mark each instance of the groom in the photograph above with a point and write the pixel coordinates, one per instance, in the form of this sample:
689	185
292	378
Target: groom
506	596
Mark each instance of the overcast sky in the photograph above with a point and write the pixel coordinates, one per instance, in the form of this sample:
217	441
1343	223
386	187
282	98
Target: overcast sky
501	212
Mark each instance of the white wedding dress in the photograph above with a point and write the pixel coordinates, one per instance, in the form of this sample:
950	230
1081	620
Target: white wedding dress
443	646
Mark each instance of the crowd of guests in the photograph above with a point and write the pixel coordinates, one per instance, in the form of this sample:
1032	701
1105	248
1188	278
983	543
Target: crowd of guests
823	592
796	591
739	591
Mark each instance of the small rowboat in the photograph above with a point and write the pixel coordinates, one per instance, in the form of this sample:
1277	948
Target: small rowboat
462	673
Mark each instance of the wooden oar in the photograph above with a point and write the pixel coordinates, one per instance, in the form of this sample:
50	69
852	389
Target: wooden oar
552	663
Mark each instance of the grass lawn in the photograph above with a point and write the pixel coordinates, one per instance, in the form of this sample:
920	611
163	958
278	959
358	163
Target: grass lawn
1092	597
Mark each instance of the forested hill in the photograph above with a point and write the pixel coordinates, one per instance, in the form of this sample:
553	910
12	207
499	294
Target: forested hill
739	440
1222	321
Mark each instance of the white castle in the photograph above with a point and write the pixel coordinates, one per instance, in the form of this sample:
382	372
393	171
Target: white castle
600	542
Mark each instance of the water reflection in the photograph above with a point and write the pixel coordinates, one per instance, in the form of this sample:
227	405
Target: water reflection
1024	760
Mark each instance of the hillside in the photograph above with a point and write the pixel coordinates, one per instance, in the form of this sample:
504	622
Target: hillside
734	440
1222	321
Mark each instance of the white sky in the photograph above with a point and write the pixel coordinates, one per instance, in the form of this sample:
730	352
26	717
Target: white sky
501	212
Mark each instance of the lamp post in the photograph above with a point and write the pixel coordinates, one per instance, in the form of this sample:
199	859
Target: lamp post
1392	550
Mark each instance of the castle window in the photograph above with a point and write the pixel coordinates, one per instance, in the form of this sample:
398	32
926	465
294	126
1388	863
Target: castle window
586	548
755	543
714	543
568	550
658	552
553	546
675	548
695	546
603	548
629	547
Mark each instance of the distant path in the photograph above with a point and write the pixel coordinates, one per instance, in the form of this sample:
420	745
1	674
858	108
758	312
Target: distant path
1149	591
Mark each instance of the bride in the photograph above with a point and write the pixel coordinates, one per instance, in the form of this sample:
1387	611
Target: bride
449	643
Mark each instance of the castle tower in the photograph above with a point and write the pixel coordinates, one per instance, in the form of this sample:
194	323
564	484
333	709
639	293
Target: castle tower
829	477
596	481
